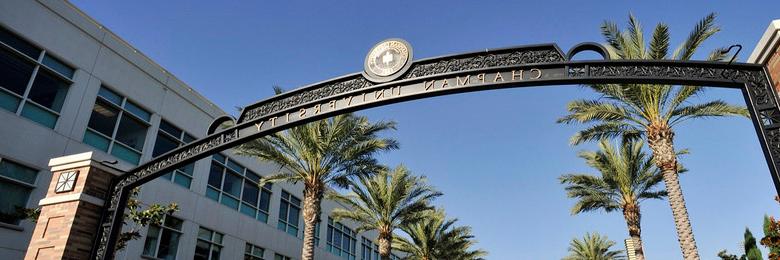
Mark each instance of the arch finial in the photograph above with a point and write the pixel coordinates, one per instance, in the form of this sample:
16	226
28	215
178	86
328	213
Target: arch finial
588	46
219	121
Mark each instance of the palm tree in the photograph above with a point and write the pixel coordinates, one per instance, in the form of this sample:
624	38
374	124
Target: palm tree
386	201
321	154
633	111
628	176
593	247
436	238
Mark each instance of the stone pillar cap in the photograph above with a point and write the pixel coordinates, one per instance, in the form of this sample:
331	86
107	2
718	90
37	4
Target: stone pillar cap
89	159
767	44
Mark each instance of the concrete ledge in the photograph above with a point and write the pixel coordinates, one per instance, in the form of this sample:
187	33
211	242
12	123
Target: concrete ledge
11	227
72	197
767	45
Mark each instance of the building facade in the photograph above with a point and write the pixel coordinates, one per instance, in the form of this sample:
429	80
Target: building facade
68	85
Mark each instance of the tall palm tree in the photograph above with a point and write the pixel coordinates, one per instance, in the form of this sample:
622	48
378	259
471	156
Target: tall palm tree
634	111
322	154
627	176
386	201
593	247
437	238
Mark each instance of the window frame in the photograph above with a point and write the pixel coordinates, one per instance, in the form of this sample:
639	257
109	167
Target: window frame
37	64
181	141
250	255
286	221
368	246
281	256
245	180
122	112
31	186
159	237
211	241
350	253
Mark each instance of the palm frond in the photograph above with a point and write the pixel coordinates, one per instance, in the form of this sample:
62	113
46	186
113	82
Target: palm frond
593	247
717	108
612	34
703	30
607	130
659	44
626	174
636	38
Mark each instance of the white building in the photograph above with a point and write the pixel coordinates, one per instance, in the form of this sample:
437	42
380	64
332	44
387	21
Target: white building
68	85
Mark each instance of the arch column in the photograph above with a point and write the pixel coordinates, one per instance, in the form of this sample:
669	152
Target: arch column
72	209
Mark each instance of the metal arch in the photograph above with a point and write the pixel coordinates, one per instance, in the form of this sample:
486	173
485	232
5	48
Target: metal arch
536	65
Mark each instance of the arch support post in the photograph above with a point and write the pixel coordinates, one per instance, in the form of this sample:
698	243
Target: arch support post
72	209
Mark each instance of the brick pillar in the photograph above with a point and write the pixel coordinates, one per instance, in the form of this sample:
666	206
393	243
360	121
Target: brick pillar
71	210
773	64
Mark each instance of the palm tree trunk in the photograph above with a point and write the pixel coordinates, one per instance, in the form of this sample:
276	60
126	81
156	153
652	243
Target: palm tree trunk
312	197
633	218
660	139
385	240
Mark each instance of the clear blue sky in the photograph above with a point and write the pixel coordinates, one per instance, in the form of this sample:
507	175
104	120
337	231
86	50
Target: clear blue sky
496	155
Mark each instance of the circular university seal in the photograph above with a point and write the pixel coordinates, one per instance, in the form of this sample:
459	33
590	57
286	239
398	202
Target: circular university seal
388	60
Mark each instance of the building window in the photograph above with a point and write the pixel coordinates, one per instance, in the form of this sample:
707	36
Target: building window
281	257
341	240
368	250
33	84
209	245
117	126
163	241
253	252
170	137
289	213
16	183
237	187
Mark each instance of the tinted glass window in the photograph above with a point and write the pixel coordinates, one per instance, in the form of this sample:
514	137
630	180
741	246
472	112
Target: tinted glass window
232	184
138	111
168	128
131	132
58	66
19	44
18	172
14	72
215	176
48	90
163	144
250	193
103	118
265	200
110	96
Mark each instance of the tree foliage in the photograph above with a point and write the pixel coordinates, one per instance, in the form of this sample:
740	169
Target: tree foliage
437	238
322	154
152	215
771	237
386	201
749	247
593	247
626	175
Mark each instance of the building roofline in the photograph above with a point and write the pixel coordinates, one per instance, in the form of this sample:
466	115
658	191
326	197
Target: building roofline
767	45
162	75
